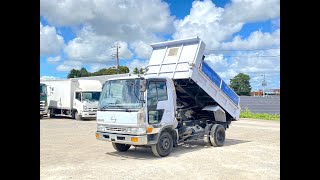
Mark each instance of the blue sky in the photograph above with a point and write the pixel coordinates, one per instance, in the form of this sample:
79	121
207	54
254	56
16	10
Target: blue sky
78	33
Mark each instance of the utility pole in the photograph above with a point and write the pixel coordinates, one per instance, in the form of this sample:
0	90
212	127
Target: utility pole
264	84
116	55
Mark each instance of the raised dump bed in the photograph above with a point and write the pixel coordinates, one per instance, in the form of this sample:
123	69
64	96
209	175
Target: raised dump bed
183	61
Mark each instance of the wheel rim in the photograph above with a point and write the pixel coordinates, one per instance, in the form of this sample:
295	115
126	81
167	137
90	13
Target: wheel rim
220	136
164	143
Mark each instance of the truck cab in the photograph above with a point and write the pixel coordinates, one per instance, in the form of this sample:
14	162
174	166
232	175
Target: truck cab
43	100
134	110
85	104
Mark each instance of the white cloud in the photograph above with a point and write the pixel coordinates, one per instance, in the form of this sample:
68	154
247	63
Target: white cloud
136	63
69	65
251	10
142	49
54	59
50	42
256	40
205	21
215	25
252	63
49	78
89	47
124	20
216	60
67	12
136	24
96	67
124	51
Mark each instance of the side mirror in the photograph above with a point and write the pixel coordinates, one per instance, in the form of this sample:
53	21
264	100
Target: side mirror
143	85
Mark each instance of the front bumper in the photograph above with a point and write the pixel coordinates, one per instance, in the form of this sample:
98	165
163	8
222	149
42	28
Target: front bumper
126	139
89	114
43	112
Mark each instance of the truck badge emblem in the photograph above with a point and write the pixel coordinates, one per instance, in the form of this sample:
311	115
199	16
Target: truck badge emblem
113	118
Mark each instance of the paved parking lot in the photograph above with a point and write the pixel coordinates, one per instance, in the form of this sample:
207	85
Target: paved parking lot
69	150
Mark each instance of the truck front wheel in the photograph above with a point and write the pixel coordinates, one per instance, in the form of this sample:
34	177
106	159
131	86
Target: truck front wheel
50	113
121	147
164	146
76	116
217	135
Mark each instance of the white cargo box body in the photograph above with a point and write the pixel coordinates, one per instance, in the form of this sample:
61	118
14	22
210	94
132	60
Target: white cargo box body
61	92
102	78
183	59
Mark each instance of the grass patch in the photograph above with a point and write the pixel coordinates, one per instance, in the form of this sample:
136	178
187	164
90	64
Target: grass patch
248	114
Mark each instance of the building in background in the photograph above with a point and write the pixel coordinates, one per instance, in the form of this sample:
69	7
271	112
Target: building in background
268	92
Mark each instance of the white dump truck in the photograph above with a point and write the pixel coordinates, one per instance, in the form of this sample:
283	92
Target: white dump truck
179	98
73	98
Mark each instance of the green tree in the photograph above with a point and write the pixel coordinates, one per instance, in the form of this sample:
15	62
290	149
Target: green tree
84	72
123	69
106	71
73	73
135	70
241	84
141	71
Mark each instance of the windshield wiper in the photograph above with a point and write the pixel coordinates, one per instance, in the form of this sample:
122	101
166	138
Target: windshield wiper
134	89
108	105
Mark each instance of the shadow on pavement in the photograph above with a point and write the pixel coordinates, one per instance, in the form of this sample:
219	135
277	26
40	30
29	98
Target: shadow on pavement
65	117
230	142
143	153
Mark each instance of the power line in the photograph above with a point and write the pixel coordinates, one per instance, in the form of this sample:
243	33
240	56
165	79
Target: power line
241	49
250	56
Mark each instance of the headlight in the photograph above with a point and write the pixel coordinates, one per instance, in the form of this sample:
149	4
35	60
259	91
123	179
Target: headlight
100	120
84	107
100	128
134	130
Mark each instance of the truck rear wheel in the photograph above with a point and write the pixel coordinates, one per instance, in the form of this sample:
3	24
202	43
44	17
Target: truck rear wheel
218	135
121	147
164	146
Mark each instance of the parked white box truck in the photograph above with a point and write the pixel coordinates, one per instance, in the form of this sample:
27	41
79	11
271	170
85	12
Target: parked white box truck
73	98
179	98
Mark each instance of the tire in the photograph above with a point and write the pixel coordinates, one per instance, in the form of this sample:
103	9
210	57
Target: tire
50	115
217	135
41	116
121	147
76	116
164	146
206	139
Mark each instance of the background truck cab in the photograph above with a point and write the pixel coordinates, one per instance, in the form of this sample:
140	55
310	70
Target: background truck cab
43	100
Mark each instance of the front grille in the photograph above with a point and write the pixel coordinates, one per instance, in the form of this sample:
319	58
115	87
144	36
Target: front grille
115	129
92	109
42	105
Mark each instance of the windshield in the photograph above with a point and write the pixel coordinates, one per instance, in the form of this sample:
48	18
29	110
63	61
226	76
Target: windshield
43	89
121	94
91	96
